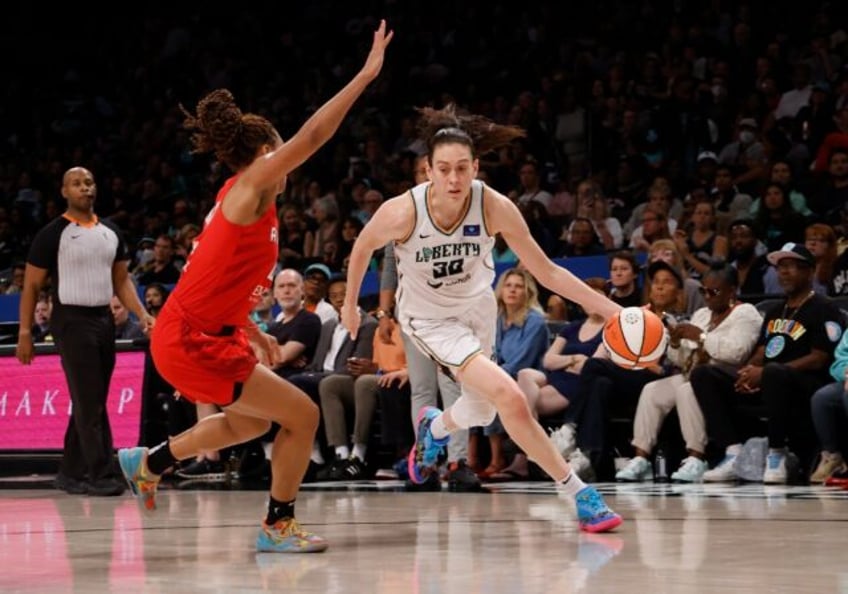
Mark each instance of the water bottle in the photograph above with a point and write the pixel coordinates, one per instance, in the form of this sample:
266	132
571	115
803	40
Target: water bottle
660	471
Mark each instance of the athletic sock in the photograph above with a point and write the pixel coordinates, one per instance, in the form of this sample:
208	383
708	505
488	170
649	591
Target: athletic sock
571	485
160	458
438	429
342	452
279	510
359	450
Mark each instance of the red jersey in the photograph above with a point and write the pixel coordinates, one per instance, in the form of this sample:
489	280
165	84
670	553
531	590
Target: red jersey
228	270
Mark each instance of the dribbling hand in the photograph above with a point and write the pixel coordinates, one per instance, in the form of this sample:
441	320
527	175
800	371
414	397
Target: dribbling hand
374	62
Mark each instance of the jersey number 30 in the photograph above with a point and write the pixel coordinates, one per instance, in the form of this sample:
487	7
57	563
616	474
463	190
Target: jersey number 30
443	269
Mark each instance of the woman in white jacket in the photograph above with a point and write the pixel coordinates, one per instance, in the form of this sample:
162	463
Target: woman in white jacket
722	333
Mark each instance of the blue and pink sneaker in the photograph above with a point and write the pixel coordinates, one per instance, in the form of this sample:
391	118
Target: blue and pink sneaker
425	454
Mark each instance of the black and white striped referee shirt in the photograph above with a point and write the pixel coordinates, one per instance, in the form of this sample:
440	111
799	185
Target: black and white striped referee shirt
79	258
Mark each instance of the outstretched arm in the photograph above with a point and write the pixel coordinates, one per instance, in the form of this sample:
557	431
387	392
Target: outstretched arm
505	218
317	130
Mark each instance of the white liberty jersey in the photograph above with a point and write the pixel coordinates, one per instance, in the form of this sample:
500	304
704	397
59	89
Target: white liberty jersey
441	272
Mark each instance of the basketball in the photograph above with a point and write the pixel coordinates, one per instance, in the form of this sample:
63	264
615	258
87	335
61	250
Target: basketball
635	338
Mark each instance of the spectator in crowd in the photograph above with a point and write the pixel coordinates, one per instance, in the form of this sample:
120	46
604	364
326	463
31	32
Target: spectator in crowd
723	333
666	250
747	254
293	236
829	408
126	328
531	186
790	362
295	329
358	391
325	212
624	276
582	240
263	312
746	156
820	239
161	269
549	388
729	201
593	205
781	173
660	199
335	347
605	388
832	199
521	340
155	295
777	221
16	279
655	226
41	321
699	243
315	286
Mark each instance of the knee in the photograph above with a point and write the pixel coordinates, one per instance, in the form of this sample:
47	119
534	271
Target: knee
311	416
473	413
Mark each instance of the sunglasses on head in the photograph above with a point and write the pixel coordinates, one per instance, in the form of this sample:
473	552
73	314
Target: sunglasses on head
711	292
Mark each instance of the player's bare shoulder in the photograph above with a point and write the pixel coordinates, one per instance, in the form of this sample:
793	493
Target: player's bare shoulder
398	215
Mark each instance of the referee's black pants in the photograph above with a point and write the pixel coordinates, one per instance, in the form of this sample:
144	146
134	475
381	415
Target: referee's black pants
85	338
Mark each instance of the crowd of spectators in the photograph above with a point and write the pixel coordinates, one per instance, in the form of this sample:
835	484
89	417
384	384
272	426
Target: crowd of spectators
719	131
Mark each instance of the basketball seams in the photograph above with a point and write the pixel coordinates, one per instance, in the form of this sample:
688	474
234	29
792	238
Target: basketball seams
619	334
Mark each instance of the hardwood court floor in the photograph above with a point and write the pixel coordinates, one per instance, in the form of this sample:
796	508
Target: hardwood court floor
519	539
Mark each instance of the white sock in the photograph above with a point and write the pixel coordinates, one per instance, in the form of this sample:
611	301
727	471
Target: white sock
571	485
437	427
359	450
316	455
342	452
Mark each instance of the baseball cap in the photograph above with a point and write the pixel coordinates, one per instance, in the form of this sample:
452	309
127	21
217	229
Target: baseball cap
658	265
796	251
318	267
748	123
704	155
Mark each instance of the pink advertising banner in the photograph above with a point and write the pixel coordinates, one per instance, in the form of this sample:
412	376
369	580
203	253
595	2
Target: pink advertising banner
35	405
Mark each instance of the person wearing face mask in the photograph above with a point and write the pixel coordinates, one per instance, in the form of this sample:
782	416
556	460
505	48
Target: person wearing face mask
746	155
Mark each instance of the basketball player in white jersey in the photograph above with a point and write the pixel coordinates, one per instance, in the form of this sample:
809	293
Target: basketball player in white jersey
443	232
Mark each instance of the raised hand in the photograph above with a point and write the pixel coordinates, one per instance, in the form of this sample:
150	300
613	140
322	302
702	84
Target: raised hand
374	62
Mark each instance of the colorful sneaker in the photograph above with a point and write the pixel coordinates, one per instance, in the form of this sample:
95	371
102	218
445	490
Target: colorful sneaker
287	536
142	482
425	453
691	470
593	515
775	473
638	470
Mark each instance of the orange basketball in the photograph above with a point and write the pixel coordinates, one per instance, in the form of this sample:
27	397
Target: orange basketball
635	338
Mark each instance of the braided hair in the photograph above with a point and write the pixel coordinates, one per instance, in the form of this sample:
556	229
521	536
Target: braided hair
220	127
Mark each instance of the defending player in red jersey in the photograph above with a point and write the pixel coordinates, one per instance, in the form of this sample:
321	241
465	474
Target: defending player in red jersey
201	341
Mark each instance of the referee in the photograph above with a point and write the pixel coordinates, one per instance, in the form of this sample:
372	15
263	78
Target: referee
87	262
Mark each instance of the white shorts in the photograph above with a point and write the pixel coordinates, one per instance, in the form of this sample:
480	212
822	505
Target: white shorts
451	342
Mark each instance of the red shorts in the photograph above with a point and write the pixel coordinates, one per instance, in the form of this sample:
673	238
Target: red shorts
203	367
